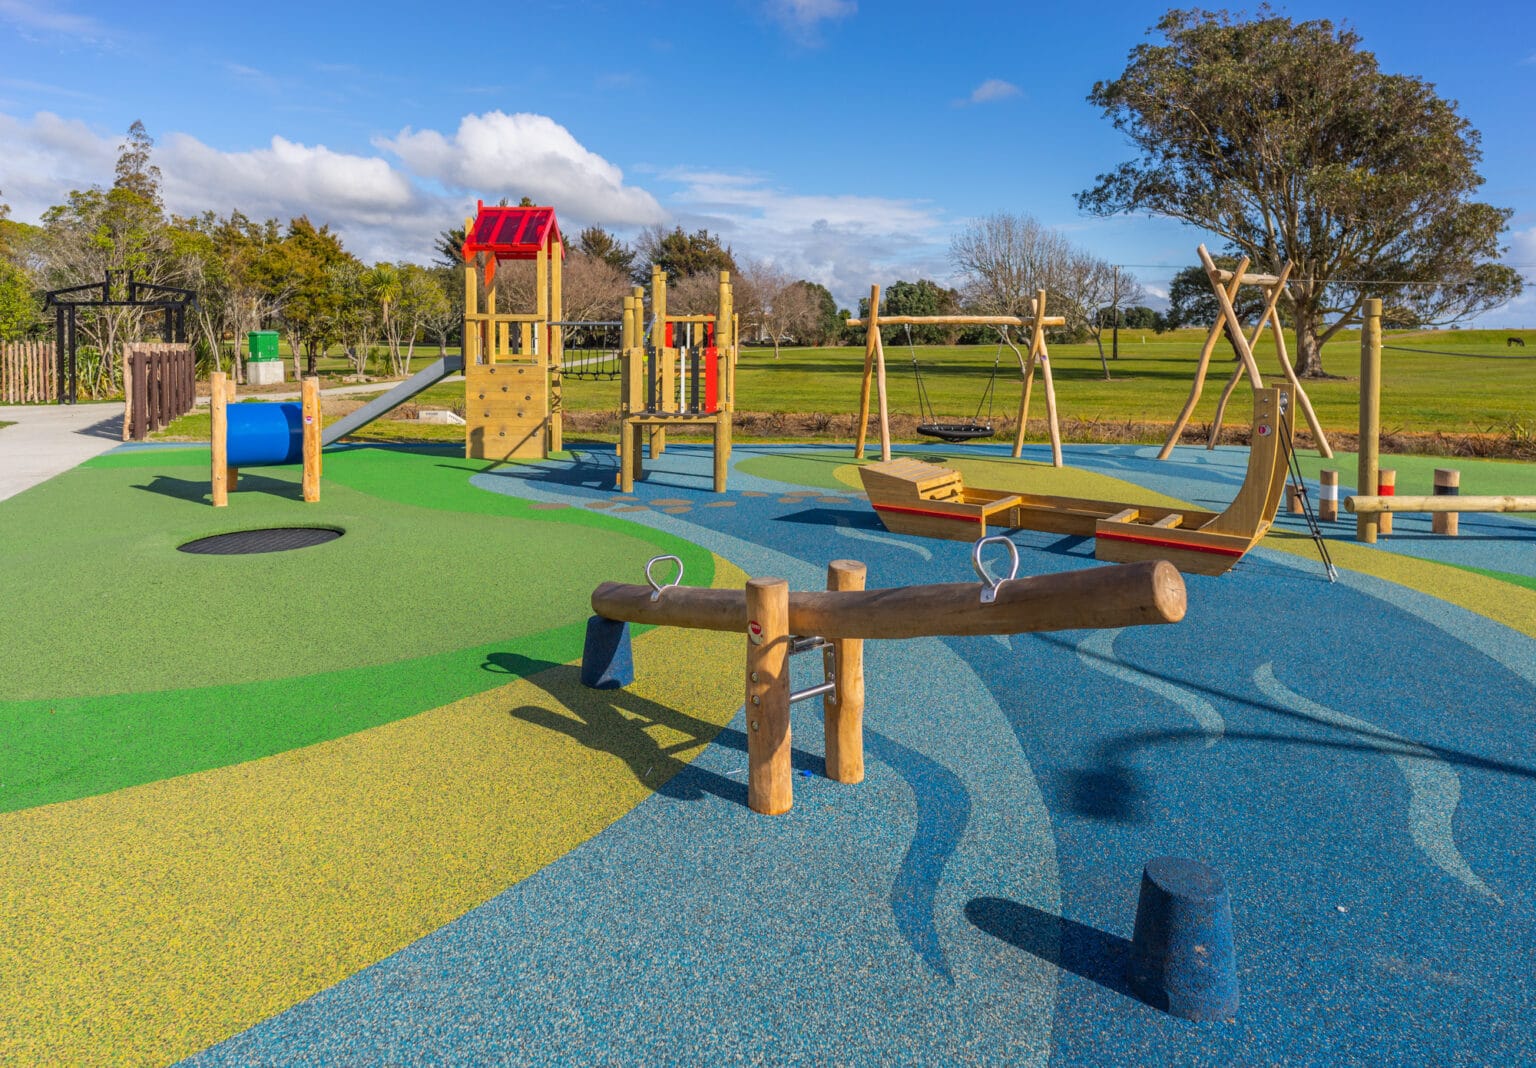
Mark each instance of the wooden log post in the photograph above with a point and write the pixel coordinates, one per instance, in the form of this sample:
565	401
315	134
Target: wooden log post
1447	484
1370	413
310	413
555	357
770	777
664	356
843	666
1052	424
1386	486
219	439
229	398
1292	499
1328	496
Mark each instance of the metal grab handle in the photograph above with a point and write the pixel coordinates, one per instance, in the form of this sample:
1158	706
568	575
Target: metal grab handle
988	583
657	588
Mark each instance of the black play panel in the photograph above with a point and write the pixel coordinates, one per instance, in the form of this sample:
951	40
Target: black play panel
270	540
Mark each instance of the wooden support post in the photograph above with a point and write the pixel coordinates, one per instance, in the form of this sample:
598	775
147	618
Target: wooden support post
556	339
1447	484
1328	496
1206	351
885	408
770	777
1292	499
843	666
310	412
871	335
1235	325
1053	427
659	346
1386	486
1370	413
722	448
219	439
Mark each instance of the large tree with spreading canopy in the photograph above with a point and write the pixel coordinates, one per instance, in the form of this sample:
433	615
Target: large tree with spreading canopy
1287	140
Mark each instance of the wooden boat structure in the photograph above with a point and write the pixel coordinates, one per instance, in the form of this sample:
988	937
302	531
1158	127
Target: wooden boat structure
914	497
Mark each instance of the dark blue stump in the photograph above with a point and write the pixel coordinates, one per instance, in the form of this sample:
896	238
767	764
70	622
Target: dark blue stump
1182	957
607	662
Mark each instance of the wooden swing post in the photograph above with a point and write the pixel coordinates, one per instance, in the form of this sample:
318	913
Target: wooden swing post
874	366
1225	286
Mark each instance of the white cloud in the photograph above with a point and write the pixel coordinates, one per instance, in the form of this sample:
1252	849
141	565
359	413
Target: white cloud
495	155
47	18
383	208
805	14
845	242
992	90
803	18
287	179
45	158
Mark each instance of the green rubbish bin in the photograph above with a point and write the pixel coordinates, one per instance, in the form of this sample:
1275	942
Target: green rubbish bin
263	345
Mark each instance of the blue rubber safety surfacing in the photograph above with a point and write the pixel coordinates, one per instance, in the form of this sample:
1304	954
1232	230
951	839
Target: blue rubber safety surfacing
973	901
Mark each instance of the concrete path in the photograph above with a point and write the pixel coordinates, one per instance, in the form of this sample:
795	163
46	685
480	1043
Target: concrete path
49	439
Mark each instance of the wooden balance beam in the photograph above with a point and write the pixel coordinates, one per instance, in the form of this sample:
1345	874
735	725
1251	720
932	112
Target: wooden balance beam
912	497
846	614
1363	505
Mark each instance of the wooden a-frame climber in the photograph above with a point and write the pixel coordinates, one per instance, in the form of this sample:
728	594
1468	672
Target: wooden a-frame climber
1225	285
874	366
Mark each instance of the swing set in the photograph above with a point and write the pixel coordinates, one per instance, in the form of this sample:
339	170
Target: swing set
958	430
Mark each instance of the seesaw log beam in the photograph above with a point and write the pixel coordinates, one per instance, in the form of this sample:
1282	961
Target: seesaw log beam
1123	596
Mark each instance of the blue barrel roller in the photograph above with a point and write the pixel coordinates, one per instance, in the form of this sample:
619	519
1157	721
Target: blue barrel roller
264	435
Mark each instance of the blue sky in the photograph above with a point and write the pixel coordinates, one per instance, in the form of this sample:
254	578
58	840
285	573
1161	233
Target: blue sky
844	140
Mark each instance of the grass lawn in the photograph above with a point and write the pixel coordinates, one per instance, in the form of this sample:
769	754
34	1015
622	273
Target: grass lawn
4	424
1458	383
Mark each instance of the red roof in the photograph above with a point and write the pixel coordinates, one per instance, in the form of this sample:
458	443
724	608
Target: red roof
511	233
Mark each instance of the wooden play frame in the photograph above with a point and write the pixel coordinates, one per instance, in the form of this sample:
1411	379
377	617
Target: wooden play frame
874	365
638	419
512	403
912	497
1225	285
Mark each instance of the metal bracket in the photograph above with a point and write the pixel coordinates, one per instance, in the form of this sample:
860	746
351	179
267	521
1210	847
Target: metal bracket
989	585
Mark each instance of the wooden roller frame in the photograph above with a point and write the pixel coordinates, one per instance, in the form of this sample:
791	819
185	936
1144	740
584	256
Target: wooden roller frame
222	476
769	614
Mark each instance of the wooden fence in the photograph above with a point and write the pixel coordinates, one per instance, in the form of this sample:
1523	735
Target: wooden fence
159	384
28	373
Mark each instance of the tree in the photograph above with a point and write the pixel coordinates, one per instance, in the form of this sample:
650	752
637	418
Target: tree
96	231
777	306
923	297
597	242
313	308
1004	259
447	318
823	324
592	288
1192	302
1141	317
1090	291
681	254
134	171
1287	141
18	310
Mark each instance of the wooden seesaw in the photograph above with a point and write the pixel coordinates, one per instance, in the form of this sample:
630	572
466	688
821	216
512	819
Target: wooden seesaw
773	619
912	497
